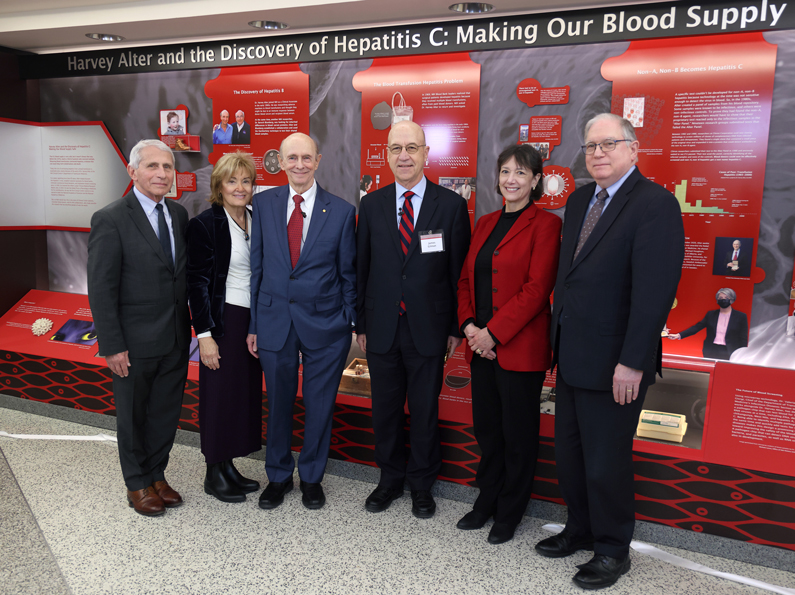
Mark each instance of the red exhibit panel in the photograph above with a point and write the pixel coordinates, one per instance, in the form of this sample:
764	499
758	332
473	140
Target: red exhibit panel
701	108
274	101
441	93
751	418
532	93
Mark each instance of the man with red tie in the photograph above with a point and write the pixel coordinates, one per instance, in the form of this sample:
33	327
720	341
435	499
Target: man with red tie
303	299
412	240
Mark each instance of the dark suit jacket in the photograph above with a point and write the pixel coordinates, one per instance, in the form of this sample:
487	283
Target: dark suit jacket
524	267
242	136
743	263
319	295
614	299
427	282
138	300
209	251
736	331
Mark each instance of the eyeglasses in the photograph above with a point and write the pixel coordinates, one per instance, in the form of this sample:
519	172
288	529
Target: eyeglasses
398	149
606	145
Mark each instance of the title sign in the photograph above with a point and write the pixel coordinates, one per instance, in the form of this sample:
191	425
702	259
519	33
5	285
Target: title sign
510	32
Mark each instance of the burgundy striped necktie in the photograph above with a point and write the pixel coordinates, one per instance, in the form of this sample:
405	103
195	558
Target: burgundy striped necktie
295	230
406	230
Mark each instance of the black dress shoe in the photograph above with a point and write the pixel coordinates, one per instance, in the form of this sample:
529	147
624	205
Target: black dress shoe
313	496
602	571
422	504
273	494
473	520
245	484
501	532
564	544
381	498
217	484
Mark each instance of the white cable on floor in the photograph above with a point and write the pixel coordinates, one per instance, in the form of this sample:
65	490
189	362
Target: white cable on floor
649	550
98	437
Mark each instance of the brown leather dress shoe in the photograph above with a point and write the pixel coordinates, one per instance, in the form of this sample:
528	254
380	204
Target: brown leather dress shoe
146	502
169	495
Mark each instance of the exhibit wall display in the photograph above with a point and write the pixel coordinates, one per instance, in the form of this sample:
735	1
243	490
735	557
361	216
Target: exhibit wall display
702	107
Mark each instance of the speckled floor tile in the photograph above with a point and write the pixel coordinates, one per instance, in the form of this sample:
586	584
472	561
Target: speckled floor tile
208	547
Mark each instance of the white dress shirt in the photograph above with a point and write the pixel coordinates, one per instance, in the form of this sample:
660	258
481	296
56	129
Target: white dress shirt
416	200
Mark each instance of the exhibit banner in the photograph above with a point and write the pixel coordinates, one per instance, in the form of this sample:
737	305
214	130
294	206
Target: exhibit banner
441	94
254	110
553	28
701	111
70	169
750	419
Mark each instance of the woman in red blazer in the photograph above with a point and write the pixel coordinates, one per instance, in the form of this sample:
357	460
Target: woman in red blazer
503	310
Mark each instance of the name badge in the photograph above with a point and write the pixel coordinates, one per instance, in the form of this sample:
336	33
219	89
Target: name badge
432	241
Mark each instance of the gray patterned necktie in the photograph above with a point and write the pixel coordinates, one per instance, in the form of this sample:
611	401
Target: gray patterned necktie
590	220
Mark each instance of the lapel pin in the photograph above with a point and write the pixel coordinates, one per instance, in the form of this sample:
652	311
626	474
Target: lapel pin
324	210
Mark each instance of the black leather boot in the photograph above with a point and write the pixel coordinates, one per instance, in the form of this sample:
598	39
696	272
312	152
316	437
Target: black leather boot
217	484
245	484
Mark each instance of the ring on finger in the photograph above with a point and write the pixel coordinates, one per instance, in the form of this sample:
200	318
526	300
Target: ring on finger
479	351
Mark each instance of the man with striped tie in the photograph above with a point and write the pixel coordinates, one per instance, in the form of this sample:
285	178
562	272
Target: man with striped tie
412	240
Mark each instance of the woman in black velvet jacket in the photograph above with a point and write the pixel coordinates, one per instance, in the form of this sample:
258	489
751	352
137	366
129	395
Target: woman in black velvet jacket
219	292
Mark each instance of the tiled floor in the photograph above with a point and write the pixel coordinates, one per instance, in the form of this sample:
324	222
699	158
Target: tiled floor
66	528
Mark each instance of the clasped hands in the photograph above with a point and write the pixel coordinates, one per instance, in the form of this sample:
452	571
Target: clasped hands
480	341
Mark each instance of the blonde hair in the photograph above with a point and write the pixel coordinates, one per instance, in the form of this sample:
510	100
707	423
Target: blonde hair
225	168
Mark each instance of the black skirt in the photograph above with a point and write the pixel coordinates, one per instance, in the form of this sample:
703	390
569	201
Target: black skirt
230	398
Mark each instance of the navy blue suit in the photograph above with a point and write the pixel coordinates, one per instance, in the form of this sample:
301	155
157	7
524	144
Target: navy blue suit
310	309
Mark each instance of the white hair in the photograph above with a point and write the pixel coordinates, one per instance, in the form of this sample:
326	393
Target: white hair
627	129
135	154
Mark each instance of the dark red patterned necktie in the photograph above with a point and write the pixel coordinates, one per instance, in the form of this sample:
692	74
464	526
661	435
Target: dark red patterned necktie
295	230
406	230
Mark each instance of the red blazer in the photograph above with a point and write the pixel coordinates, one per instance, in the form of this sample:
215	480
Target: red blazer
524	267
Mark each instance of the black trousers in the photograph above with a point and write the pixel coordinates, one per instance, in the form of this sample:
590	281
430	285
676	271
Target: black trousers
148	405
506	415
593	451
397	376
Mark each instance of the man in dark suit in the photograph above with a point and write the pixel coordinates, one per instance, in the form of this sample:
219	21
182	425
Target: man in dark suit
303	298
138	294
620	262
406	314
737	262
241	131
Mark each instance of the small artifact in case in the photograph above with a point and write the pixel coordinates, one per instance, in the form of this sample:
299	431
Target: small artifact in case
356	378
662	426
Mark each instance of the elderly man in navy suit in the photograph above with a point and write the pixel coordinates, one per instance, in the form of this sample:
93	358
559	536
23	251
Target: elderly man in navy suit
620	262
303	299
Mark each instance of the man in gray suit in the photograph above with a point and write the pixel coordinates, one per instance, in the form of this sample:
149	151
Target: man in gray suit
138	294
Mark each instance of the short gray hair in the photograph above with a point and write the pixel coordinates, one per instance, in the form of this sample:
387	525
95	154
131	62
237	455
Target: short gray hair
728	292
627	129
135	154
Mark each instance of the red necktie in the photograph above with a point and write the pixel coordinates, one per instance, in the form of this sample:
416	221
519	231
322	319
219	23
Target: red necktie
406	230
295	230
735	255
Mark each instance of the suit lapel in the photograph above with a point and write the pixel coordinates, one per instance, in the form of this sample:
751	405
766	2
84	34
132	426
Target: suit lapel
279	207
423	222
222	238
388	209
577	214
144	227
179	237
320	214
609	215
523	221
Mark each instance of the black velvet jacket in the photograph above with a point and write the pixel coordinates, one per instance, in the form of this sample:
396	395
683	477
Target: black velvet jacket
209	251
